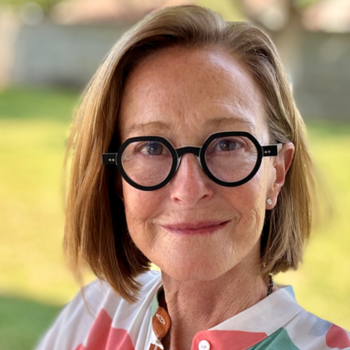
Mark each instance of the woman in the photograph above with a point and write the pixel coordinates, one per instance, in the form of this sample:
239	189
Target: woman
206	174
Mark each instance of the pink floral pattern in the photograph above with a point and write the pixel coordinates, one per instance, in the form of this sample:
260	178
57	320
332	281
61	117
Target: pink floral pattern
337	338
237	340
103	336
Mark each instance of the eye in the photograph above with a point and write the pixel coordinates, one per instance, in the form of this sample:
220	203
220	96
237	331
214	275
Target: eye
226	145
153	148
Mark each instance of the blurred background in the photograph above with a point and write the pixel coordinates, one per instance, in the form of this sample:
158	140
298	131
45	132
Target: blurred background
49	50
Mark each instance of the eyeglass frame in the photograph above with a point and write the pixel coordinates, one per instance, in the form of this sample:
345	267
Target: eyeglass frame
263	151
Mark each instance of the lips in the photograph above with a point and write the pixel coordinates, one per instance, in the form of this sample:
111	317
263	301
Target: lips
202	227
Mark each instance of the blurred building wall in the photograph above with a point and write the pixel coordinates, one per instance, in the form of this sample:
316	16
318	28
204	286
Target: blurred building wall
321	79
57	55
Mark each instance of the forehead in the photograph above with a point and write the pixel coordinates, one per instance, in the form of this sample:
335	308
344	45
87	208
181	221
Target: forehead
190	92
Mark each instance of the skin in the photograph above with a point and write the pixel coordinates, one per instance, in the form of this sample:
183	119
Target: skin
209	275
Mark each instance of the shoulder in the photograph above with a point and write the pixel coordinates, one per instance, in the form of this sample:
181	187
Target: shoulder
95	309
99	294
290	326
307	331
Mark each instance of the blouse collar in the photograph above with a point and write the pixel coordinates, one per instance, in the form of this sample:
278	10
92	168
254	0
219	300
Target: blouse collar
244	330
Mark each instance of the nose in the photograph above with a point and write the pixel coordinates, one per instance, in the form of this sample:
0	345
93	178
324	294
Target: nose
190	184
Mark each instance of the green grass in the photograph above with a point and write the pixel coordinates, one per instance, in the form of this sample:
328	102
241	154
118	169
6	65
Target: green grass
22	321
33	130
35	281
38	104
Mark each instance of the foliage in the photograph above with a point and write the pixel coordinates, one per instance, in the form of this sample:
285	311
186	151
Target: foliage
45	4
302	4
230	10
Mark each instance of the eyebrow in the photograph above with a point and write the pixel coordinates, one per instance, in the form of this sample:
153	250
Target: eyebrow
155	124
228	120
215	122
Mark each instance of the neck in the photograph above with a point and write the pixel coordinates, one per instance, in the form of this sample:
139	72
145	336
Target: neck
198	305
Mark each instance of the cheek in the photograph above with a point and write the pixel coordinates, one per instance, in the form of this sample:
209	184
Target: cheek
249	201
140	209
142	201
252	194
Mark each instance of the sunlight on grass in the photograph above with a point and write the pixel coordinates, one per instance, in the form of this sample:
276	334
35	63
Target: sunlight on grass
33	130
32	209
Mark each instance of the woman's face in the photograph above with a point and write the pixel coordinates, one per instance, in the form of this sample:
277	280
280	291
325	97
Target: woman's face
193	228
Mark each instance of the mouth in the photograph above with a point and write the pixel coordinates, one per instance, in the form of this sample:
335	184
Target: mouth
199	228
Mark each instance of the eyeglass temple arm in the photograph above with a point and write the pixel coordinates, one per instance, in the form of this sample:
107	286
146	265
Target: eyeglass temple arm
271	150
109	158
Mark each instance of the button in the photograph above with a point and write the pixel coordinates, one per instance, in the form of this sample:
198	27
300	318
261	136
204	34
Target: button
203	345
160	318
161	323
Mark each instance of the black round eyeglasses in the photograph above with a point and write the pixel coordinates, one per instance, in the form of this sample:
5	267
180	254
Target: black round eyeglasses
228	158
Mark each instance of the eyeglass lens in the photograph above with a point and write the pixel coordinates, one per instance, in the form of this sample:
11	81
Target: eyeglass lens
229	159
147	163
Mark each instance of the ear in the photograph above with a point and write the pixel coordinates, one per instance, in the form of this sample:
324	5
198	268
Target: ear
281	164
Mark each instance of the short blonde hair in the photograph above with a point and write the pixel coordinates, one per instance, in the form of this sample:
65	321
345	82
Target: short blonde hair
96	228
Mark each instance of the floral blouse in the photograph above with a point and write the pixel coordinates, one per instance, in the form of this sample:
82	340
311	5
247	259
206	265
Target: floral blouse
105	321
